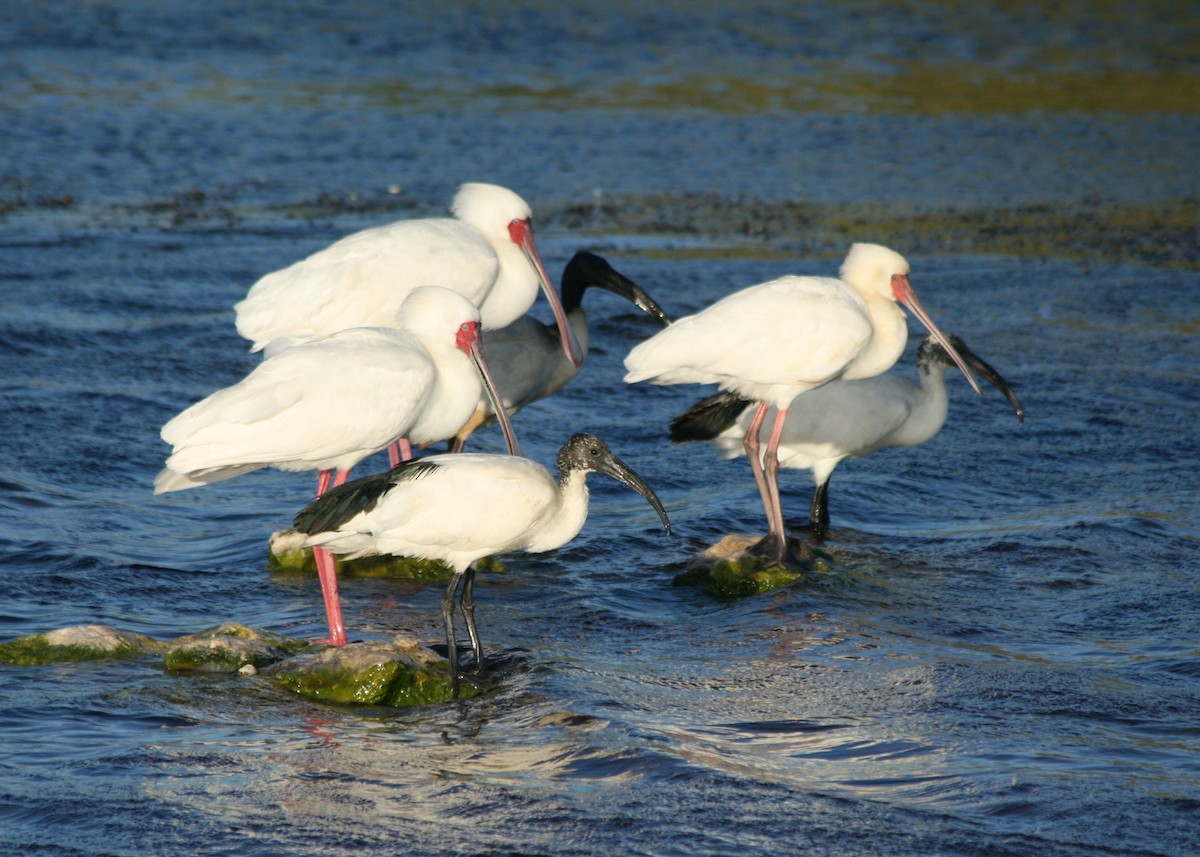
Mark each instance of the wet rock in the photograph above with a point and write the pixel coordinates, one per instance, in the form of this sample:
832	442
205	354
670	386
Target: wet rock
398	672
286	555
228	648
732	569
76	643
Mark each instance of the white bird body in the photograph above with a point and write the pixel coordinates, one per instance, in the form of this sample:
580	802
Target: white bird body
773	342
500	504
462	507
313	406
485	253
844	419
361	280
850	419
327	403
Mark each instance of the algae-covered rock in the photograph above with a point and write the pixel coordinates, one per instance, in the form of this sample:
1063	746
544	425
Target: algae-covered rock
76	643
230	648
399	672
731	569
285	554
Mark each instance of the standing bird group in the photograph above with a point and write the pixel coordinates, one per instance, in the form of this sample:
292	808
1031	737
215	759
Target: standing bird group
327	403
844	419
378	342
773	342
375	342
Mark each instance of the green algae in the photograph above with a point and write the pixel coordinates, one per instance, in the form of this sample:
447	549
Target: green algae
358	686
1060	81
229	647
76	644
425	687
409	568
738	578
729	570
395	674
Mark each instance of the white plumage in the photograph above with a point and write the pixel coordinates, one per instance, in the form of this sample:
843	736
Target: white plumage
462	507
485	252
500	504
774	341
844	419
327	403
777	339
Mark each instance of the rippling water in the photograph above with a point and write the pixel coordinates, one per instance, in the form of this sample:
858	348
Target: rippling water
1007	660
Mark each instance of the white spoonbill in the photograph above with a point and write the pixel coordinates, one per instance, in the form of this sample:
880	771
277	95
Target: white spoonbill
527	358
776	340
462	507
485	252
844	419
325	404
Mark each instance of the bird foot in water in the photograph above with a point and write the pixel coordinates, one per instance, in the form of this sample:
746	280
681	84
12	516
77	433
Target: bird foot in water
740	565
817	533
796	555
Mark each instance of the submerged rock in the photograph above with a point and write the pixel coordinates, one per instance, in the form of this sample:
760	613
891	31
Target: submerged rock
398	672
731	569
285	554
77	643
229	648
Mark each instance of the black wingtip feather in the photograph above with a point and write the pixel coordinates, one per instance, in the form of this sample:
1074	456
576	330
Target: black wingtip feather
706	419
340	504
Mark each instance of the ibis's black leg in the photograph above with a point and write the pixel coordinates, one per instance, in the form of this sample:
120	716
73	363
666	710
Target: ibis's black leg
468	610
818	511
448	621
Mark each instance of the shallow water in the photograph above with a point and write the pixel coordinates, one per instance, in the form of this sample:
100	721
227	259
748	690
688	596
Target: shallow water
1007	660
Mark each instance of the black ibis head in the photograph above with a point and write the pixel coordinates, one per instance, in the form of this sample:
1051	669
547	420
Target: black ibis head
932	351
584	452
587	269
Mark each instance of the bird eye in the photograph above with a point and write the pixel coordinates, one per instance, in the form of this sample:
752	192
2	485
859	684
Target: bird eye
594	451
466	327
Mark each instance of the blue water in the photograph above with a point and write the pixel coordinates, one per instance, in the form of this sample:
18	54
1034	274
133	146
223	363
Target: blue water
1007	661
